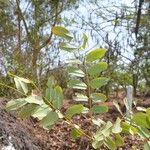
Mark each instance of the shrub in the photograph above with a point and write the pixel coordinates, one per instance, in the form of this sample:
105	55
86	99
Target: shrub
85	75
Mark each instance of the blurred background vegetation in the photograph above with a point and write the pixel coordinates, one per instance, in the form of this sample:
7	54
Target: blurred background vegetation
29	49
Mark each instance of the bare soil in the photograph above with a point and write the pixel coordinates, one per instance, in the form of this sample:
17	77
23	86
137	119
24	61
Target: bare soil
27	135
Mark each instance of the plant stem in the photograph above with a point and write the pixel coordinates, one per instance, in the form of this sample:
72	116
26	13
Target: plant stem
64	118
88	86
54	109
10	87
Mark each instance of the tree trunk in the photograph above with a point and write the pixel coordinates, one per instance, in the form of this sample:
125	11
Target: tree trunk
135	83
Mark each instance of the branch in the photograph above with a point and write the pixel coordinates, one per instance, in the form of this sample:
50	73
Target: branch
19	28
138	17
23	19
55	21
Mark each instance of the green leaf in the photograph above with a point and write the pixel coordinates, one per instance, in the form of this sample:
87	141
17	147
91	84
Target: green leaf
58	98
75	133
50	94
99	135
51	81
119	141
148	120
62	32
85	110
20	78
34	99
125	127
77	84
98	97
27	111
144	132
109	142
85	39
68	47
140	119
98	82
24	80
95	54
75	109
98	122
133	130
75	72
80	97
148	111
96	69
106	130
41	112
103	132
128	128
16	103
20	85
49	120
55	96
147	145
116	127
99	109
97	144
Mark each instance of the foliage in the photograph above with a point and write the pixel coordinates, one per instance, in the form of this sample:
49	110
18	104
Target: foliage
25	36
86	76
122	78
4	91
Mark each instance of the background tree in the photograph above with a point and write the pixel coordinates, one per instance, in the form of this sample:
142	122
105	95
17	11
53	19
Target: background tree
121	27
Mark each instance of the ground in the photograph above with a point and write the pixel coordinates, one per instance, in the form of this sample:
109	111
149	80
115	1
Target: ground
27	135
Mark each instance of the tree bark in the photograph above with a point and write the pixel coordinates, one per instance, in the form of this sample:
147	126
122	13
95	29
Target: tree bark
135	83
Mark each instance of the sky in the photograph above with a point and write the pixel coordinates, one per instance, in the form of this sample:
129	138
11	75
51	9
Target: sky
85	9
